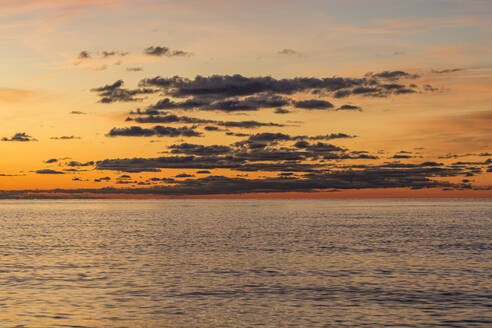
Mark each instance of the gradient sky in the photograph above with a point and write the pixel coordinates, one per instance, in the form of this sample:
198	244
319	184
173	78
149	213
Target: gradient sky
379	97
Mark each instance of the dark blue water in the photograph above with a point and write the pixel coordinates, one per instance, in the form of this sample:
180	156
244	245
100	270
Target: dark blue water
246	263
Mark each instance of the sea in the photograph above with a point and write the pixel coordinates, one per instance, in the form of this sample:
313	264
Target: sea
245	263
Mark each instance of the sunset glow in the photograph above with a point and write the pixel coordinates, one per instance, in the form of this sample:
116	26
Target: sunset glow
246	99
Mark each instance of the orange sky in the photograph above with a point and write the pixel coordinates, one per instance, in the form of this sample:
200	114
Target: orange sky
428	64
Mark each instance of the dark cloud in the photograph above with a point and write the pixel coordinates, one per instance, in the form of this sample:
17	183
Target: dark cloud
448	156
401	156
134	165
65	138
287	52
158	131
224	86
330	136
193	149
134	69
115	93
51	160
417	177
282	111
165	51
234	104
192	120
170	119
237	134
319	147
268	137
76	112
445	71
393	75
78	164
240	156
224	92
211	128
48	171
106	54
247	124
84	55
184	175
314	104
103	179
102	58
189	104
350	107
20	136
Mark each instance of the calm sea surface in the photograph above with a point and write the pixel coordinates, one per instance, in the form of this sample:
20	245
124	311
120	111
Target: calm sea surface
246	263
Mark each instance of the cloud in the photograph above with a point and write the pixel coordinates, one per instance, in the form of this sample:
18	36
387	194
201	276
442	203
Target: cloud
238	85
76	112
448	156
20	136
266	151
330	136
184	175
165	51
115	93
251	124
286	51
401	156
349	107
247	124
234	104
84	55
65	138
393	75
134	69
234	93
99	60
268	138
193	149
106	54
282	111
448	70
314	104
135	165
79	164
370	177
158	131
48	171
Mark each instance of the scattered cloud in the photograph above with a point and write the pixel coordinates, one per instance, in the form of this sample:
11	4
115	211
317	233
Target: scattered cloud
134	69
48	171
157	131
116	93
350	107
20	136
65	138
165	51
287	51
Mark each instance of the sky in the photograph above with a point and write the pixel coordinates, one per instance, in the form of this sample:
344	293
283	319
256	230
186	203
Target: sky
272	98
